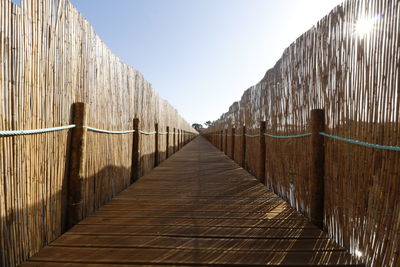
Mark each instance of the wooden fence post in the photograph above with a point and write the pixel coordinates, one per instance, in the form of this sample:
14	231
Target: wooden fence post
173	141
233	143
216	139
262	152
178	141
316	182
77	165
135	152
167	151
222	140
156	145
226	142
213	138
244	147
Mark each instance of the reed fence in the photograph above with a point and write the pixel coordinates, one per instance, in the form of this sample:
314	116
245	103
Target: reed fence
354	78
50	58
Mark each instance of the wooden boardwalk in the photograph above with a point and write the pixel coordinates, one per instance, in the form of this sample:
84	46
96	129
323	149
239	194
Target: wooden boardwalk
197	208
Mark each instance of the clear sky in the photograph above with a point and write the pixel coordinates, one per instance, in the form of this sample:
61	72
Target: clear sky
201	55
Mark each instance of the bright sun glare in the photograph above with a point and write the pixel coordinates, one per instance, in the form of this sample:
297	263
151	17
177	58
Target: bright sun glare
364	26
358	253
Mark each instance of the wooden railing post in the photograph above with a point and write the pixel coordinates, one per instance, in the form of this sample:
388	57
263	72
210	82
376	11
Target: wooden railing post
244	147
213	138
262	152
179	139
233	143
156	145
174	141
167	151
135	152
316	182
222	141
216	138
77	165
226	142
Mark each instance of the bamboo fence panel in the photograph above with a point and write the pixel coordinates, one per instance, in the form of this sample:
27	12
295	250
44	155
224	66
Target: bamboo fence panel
355	79
50	57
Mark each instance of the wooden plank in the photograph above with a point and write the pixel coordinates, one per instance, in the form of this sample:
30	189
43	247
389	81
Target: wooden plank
182	256
171	242
271	223
195	231
198	215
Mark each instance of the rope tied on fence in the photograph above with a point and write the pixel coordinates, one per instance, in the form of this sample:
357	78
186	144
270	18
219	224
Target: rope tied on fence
252	135
347	140
108	131
36	131
61	128
147	133
360	143
288	136
67	127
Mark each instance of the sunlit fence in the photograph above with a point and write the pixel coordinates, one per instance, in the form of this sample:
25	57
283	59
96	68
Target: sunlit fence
348	66
50	58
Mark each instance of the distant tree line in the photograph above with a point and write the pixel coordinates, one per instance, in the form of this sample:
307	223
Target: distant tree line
199	126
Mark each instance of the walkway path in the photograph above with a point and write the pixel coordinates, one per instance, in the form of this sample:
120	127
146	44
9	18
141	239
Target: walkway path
197	208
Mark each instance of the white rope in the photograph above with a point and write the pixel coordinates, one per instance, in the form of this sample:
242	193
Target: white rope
252	135
147	133
108	131
55	129
36	131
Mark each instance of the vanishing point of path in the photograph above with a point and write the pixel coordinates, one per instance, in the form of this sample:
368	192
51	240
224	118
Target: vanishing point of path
197	208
